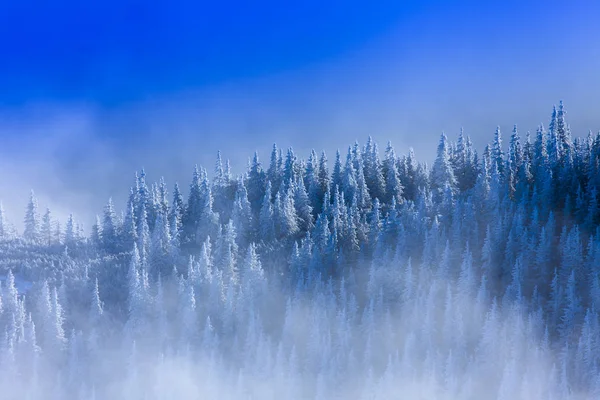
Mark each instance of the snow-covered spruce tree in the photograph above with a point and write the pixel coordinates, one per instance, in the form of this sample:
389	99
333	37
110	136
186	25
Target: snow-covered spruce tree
31	229
442	174
4	229
46	233
109	228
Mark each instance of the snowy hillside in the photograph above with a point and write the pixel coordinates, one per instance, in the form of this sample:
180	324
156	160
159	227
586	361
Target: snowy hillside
477	277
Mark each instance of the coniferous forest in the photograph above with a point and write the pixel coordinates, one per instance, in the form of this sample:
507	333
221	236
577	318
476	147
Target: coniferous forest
368	275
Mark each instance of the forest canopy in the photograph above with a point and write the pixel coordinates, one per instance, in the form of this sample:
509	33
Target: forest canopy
379	277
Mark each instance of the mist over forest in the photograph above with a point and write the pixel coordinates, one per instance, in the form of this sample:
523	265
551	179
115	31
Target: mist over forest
360	275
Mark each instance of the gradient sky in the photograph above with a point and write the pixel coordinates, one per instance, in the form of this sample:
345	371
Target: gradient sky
91	92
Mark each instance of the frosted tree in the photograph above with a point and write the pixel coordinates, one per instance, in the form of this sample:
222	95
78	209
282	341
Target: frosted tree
129	231
162	197
9	301
254	283
51	313
29	352
46	232
97	318
275	171
255	185
4	229
462	162
189	317
497	153
109	228
393	186
466	278
266	224
242	215
143	236
324	181
284	214
337	174
442	174
540	154
220	188
349	185
226	252
571	259
302	205
136	297
70	234
144	200
192	214
408	170
177	208
32	223
160	251
290	169
511	169
563	136
572	311
96	233
372	170
311	178
363	196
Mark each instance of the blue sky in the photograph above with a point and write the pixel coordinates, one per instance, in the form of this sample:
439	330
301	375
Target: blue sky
91	91
112	52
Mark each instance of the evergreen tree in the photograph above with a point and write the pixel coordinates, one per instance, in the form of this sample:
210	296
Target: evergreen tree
256	184
46	228
311	181
572	312
193	211
442	174
275	172
242	215
337	179
160	248
408	176
32	223
70	233
284	214
144	200
460	160
143	236
266	218
302	206
109	228
189	322
96	310
290	169
96	234
177	208
129	231
199	220
135	294
222	186
324	181
372	170
497	153
393	186
349	184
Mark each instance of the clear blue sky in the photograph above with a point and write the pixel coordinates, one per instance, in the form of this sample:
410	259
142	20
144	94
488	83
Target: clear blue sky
91	91
111	52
